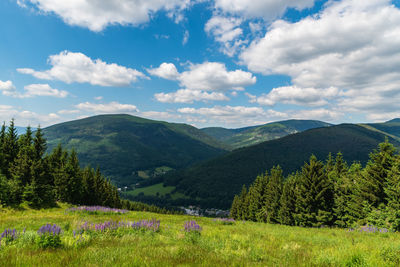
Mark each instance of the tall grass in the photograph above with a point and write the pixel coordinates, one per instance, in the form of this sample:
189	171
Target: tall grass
220	244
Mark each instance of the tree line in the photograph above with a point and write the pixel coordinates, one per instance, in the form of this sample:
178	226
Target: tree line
329	193
30	175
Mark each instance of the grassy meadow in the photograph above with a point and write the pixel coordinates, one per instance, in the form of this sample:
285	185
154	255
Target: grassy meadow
218	244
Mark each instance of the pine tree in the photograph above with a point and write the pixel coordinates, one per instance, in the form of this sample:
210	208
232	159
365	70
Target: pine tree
39	143
233	212
375	175
10	148
2	140
256	198
354	206
342	191
315	195
243	210
273	194
288	200
73	193
21	170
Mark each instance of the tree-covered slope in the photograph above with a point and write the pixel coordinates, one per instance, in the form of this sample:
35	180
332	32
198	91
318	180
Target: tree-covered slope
122	145
217	180
242	137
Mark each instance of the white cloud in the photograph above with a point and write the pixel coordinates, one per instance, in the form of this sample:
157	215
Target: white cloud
7	87
351	45
267	9
213	76
188	96
72	67
166	71
25	117
67	111
296	96
98	98
199	80
231	116
97	14
185	37
317	114
31	90
112	107
43	90
226	31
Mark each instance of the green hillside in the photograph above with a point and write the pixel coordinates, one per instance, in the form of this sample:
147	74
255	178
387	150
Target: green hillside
124	145
242	137
219	243
217	180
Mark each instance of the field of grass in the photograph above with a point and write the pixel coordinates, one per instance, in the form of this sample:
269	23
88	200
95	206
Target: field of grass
239	244
154	189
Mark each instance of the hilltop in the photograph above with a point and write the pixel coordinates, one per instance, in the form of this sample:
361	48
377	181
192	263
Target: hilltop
129	149
247	136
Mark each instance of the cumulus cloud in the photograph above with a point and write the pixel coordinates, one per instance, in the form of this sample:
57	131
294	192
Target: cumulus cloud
73	67
97	15
200	79
112	107
31	90
25	117
188	96
226	31
296	96
266	9
231	116
350	45
7	87
43	90
166	71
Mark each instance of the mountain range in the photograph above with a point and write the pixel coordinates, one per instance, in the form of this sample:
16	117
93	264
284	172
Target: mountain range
209	165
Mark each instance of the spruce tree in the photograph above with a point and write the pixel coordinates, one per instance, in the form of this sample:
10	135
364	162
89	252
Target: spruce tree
288	200
256	198
233	212
375	175
342	189
10	148
273	194
315	195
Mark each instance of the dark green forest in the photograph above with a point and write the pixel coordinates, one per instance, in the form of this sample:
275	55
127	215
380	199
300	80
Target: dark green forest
215	182
30	175
329	193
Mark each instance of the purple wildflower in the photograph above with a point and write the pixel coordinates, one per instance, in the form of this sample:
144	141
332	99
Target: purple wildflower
9	235
49	229
192	226
97	209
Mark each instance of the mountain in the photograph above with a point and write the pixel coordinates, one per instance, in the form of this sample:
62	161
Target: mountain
242	137
218	180
124	146
391	128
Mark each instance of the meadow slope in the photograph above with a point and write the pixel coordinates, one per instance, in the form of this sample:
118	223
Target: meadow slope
239	244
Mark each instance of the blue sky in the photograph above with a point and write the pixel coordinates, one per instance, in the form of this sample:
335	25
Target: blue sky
229	63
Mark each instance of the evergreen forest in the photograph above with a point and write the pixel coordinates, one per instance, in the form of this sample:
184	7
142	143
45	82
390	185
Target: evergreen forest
329	193
30	175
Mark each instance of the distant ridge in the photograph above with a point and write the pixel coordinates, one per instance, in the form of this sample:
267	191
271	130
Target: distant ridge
122	145
217	180
242	137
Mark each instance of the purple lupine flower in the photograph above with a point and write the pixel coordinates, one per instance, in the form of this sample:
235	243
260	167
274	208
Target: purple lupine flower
49	229
96	209
9	235
192	226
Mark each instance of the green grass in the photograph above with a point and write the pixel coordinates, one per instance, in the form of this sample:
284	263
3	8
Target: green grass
154	189
240	244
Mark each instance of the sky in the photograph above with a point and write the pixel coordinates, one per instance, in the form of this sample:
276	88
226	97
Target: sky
229	63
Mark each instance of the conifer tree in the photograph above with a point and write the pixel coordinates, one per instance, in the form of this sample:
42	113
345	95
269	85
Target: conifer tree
315	195
343	190
10	148
243	204
288	201
233	212
375	175
273	194
73	193
256	198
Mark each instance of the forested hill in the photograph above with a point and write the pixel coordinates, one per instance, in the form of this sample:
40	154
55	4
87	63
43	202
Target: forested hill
242	137
218	180
123	145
